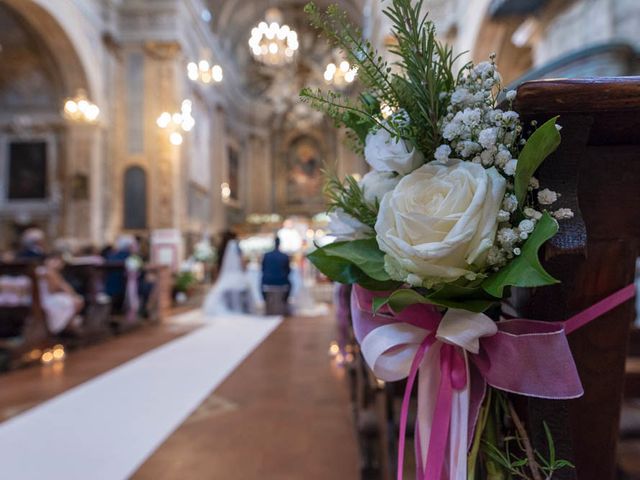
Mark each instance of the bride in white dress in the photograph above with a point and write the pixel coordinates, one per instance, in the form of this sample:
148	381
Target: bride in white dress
232	292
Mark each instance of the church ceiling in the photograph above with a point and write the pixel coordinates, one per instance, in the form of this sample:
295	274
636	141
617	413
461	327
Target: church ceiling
277	86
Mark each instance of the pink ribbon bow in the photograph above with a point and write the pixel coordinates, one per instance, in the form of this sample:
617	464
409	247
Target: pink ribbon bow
457	354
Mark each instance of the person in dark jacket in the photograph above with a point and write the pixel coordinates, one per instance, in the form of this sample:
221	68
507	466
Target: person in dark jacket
32	245
275	270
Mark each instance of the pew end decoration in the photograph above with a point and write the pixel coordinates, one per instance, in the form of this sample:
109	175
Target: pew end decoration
450	219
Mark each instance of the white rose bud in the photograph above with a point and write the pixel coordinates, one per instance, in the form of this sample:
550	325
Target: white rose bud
376	184
346	227
387	154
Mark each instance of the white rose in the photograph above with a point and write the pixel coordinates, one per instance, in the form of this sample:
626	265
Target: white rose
375	184
345	227
387	154
440	221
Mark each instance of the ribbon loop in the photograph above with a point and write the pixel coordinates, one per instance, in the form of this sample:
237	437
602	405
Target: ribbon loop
456	355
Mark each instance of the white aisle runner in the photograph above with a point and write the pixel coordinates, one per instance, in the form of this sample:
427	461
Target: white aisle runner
107	427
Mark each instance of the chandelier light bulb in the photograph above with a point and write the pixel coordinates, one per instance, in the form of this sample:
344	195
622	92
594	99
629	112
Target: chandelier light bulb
175	138
203	65
272	42
344	66
80	109
164	119
70	106
216	73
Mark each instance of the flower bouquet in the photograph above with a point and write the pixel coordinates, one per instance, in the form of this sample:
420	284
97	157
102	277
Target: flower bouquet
433	238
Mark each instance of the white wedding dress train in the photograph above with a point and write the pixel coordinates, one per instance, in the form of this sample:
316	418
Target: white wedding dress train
232	293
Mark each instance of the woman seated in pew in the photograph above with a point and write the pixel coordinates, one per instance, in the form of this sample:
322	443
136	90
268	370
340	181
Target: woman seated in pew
61	304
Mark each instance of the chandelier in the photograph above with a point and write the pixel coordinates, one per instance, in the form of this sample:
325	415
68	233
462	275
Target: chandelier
178	122
271	42
340	75
203	72
80	109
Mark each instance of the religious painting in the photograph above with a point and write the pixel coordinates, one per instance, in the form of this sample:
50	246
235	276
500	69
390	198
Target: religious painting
27	170
304	166
234	173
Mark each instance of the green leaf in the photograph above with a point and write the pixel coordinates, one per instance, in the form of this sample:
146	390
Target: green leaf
344	271
401	299
539	146
378	303
365	254
473	299
450	296
525	270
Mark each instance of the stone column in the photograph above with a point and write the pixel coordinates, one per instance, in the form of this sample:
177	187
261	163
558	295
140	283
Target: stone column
218	170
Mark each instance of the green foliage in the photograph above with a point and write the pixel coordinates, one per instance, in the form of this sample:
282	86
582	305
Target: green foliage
364	253
519	466
473	299
525	270
184	280
357	118
425	66
336	262
348	196
428	71
539	146
511	456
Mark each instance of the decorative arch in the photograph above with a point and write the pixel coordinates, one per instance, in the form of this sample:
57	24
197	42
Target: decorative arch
135	198
57	22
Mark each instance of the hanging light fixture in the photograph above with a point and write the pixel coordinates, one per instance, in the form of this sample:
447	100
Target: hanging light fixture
177	123
204	73
80	109
341	73
271	42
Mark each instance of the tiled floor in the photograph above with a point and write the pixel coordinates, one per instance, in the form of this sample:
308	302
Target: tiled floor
283	414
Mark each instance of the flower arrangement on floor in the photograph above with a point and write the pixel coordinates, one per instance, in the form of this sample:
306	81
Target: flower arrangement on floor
449	218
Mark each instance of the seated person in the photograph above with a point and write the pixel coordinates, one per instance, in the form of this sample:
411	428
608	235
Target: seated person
116	281
60	302
115	284
31	245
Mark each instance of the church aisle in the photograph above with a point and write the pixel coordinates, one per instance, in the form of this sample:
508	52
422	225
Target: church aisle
106	427
282	415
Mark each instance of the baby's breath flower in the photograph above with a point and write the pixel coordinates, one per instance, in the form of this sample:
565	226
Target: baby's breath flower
510	203
503	216
510	167
532	213
563	214
511	95
547	197
526	226
442	153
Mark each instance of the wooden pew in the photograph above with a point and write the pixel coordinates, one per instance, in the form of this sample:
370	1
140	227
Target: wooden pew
86	279
597	171
22	323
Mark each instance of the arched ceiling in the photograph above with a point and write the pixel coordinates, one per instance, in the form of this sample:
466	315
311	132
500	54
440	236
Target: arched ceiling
275	87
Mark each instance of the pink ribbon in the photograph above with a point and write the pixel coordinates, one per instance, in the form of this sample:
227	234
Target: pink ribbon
521	356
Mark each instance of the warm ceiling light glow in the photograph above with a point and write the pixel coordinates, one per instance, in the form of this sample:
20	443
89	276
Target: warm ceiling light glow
175	138
273	43
178	121
225	191
80	109
203	72
340	76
